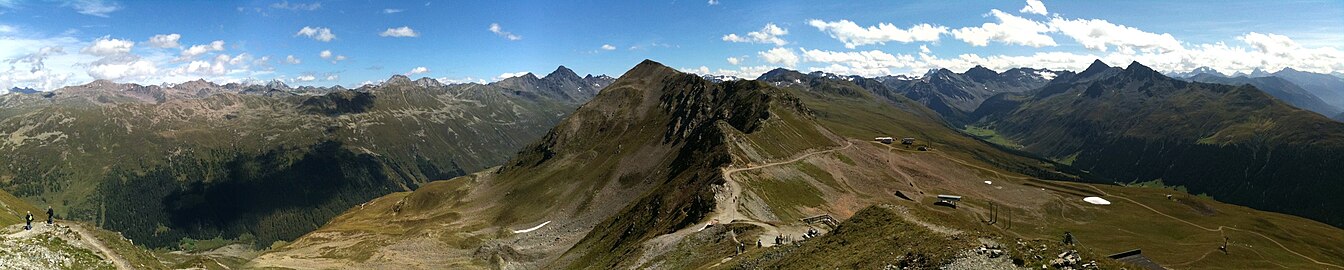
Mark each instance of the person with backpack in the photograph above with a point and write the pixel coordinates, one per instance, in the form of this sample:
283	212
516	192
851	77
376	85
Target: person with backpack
29	218
51	216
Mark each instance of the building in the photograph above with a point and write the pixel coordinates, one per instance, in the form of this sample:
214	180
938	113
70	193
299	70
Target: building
948	200
908	141
886	140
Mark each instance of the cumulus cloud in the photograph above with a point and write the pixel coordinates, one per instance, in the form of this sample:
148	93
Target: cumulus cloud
296	6
1010	29
713	2
781	56
107	46
305	78
862	63
327	54
417	70
1034	7
507	75
292	60
854	35
771	34
197	50
608	47
165	41
1098	34
322	34
403	31
116	71
494	28
734	60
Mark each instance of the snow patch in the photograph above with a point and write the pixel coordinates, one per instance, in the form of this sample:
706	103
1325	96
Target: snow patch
1097	201
533	228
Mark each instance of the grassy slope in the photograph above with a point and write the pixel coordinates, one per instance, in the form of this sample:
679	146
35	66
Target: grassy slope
13	210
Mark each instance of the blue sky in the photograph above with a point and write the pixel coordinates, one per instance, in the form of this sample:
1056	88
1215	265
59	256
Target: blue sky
48	44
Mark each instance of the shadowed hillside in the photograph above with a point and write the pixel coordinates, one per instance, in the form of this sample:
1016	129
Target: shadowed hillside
1234	143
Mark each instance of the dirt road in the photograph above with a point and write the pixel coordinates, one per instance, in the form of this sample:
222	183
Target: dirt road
93	241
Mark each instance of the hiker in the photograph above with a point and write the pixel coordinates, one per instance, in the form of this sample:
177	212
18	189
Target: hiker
758	242
29	217
1068	238
51	215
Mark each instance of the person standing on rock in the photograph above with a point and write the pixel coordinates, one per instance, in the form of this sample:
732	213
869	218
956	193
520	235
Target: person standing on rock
51	216
29	218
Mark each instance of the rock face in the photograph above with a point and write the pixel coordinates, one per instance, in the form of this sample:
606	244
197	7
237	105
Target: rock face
200	160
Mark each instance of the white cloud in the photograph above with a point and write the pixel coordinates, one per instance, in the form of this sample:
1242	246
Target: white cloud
608	47
292	60
305	78
333	77
854	35
107	46
1010	29
507	75
98	8
734	60
165	41
862	63
117	71
403	31
713	2
296	6
391	10
781	56
417	70
494	28
327	54
197	50
768	34
4	28
1034	7
1098	34
322	34
749	72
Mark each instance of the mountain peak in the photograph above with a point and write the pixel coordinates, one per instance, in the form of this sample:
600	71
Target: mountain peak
1137	69
398	79
980	72
562	72
1096	65
649	68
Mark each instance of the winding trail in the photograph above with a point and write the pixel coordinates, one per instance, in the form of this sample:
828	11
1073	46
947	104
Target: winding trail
725	209
93	241
1219	229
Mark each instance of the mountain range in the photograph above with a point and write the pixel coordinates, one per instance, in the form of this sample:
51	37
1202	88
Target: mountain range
1321	93
200	160
1235	143
664	169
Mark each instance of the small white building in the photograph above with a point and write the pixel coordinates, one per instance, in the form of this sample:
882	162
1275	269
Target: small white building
886	140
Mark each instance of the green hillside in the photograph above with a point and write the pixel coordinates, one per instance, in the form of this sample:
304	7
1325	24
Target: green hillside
1234	143
160	165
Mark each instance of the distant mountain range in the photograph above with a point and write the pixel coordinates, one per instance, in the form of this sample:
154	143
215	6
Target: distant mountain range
203	160
1236	143
1321	93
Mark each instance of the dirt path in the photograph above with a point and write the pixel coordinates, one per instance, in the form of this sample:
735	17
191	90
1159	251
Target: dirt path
1219	229
93	241
726	208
